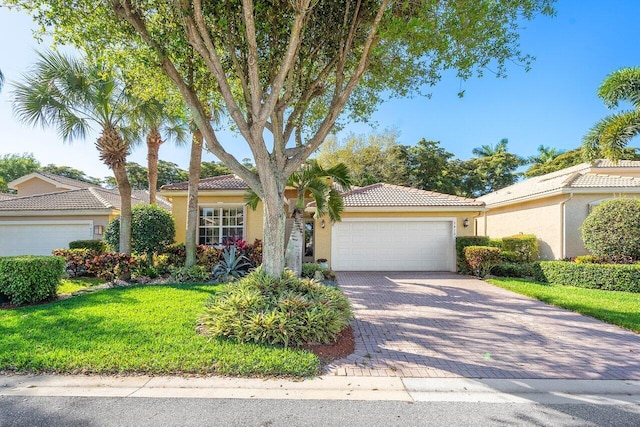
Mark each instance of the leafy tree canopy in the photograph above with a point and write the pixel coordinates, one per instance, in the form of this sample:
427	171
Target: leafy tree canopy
13	166
287	70
168	173
69	172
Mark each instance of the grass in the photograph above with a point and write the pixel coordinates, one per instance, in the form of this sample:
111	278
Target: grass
148	329
69	286
618	308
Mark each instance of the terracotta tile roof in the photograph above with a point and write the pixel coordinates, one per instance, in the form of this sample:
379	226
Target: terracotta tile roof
387	195
74	183
94	198
222	182
7	196
577	177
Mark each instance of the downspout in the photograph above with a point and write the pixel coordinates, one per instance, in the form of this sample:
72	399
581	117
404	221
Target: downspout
563	226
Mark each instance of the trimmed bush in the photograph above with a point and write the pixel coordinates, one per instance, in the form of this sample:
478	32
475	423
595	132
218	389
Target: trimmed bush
515	269
524	245
152	230
613	229
30	279
611	277
481	259
285	310
461	244
509	256
98	246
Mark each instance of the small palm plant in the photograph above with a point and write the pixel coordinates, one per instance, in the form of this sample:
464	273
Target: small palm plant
233	265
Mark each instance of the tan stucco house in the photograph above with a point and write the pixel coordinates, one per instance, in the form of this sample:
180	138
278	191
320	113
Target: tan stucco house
50	211
384	227
554	206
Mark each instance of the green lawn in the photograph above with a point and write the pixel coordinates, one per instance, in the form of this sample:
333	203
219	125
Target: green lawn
139	329
73	285
618	308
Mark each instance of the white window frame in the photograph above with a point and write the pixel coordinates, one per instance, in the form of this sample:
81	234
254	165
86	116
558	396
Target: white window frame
220	208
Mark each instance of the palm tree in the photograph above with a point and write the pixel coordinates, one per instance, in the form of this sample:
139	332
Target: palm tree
162	124
1	79
609	136
311	180
73	95
545	155
490	150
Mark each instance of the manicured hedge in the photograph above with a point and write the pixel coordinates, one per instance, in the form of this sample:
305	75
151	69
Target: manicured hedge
93	245
461	244
30	279
524	245
515	269
481	259
612	277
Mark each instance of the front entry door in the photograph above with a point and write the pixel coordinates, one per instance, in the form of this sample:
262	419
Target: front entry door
308	251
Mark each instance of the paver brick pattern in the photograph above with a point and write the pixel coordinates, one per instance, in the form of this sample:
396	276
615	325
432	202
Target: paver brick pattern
416	324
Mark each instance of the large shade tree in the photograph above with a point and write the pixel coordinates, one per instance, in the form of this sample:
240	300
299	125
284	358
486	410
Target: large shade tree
287	69
609	136
74	96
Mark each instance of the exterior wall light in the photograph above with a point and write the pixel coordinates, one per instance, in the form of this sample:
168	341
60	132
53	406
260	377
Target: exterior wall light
465	223
323	224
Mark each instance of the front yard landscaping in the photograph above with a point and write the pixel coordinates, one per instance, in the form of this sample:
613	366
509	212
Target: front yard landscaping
618	308
145	329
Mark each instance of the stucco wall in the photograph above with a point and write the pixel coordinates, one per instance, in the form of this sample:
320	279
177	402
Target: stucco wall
36	186
540	217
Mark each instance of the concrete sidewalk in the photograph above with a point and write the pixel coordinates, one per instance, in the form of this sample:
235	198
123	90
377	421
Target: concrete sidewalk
546	391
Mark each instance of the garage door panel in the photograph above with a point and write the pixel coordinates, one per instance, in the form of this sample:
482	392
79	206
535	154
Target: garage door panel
40	239
392	245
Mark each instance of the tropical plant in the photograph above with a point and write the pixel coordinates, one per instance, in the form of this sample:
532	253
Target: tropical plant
1	80
73	95
609	136
232	265
491	150
545	155
315	182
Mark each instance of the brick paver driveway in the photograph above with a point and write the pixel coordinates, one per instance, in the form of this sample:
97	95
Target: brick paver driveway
446	325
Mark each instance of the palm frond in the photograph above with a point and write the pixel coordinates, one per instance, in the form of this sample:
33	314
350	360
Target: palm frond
251	199
611	135
621	85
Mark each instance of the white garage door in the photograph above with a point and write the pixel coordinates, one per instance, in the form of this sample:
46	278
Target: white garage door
378	245
41	237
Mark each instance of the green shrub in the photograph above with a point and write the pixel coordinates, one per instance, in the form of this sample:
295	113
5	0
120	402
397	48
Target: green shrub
152	230
232	265
481	259
285	310
613	229
495	243
461	244
515	269
586	259
524	245
611	277
30	279
195	274
509	256
309	270
76	260
93	245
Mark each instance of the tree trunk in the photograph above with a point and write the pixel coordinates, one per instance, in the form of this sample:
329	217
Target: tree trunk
293	254
124	188
154	140
274	222
195	162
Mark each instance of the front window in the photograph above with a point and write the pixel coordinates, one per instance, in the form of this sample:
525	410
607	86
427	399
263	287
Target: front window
220	225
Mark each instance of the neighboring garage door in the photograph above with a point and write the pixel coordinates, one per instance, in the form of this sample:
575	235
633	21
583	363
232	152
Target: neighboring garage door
382	245
41	237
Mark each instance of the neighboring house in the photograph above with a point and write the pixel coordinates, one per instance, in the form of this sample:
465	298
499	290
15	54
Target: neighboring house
383	227
57	211
554	206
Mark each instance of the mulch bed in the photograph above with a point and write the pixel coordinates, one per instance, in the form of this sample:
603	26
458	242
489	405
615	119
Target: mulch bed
344	346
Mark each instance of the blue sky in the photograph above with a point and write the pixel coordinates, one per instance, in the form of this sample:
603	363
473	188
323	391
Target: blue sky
553	104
